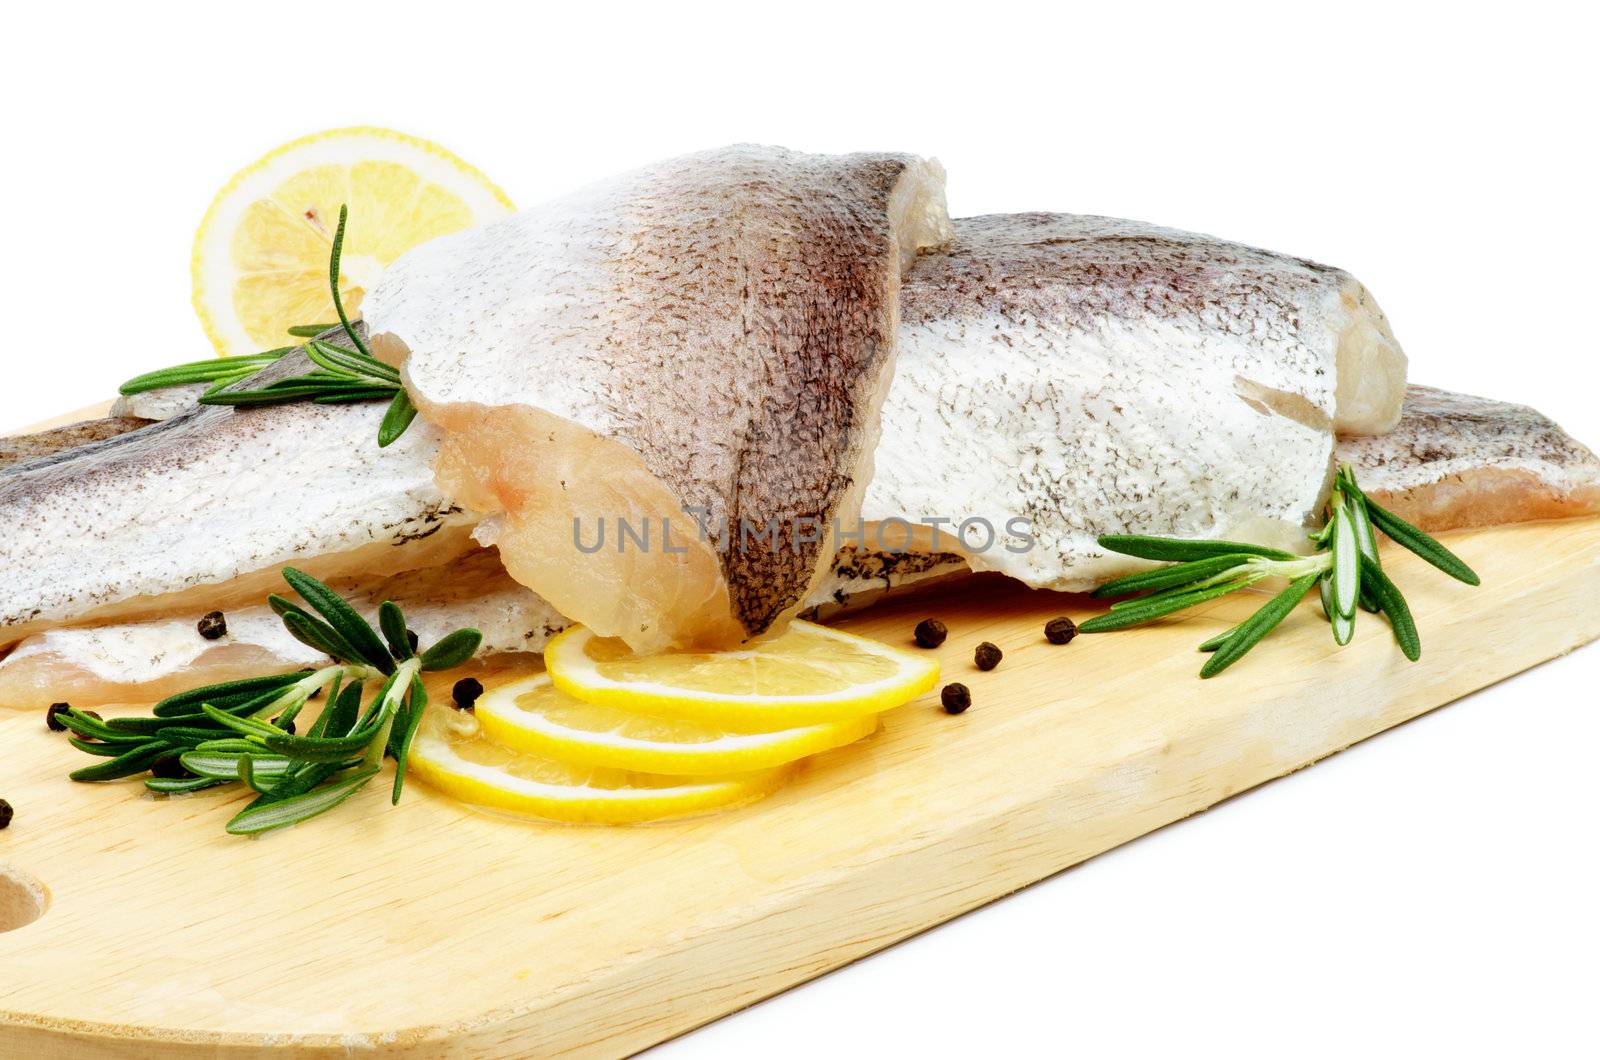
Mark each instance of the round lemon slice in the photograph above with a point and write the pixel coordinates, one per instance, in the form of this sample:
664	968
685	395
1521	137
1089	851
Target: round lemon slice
452	755
260	263
807	675
533	715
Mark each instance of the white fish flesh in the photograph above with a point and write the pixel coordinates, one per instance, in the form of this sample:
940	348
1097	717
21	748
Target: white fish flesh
1457	461
715	332
140	662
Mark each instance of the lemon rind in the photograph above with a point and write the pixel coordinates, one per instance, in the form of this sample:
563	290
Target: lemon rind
916	677
484	786
736	752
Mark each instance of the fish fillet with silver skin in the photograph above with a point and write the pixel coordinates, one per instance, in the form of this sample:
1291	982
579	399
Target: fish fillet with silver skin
714	332
204	509
1089	376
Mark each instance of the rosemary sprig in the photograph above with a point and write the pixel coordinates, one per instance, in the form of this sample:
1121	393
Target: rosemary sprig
1345	568
243	731
342	375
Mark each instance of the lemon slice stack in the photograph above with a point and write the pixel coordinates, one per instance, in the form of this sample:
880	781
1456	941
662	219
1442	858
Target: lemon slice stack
610	737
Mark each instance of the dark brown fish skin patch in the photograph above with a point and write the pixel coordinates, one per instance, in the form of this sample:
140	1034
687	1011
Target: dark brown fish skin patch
807	242
21	449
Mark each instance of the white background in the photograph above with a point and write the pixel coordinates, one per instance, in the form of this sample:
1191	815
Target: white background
1432	891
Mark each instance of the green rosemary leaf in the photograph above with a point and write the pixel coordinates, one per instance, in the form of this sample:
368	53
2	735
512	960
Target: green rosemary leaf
247	773
1174	549
220	766
1219	640
180	786
250	727
1343	628
184	736
343	618
393	623
151	726
1169	577
311	331
101	750
1250	632
356	395
83	725
345	712
255	819
300	780
343	362
1417	541
232	745
207	371
322	749
226	694
1229	574
290	712
1394	605
400	740
452	651
274	395
136	760
319	635
1134	616
398	417
333	281
1346	561
1367	541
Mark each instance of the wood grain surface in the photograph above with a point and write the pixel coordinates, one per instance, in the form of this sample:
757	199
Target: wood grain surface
434	930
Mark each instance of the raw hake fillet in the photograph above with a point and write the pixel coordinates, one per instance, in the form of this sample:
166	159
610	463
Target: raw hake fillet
141	662
1457	461
713	333
1087	376
202	510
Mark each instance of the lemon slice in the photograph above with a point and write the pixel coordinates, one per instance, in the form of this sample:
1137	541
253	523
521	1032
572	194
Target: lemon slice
452	754
533	715
260	263
805	676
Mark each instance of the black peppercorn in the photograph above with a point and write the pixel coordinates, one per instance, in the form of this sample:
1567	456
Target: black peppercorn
987	656
213	626
6	813
168	768
52	722
956	697
466	692
1060	630
930	633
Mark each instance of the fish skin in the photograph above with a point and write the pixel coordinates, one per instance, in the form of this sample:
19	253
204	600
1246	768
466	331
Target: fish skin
716	330
215	501
26	448
1093	376
147	660
1457	461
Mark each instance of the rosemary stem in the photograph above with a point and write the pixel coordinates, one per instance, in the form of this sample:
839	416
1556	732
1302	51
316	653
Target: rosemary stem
399	687
1293	569
314	682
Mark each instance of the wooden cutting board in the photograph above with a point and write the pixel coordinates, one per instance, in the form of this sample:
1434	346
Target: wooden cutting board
131	924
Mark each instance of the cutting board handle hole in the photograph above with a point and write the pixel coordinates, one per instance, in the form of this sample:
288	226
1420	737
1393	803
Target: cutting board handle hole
23	899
